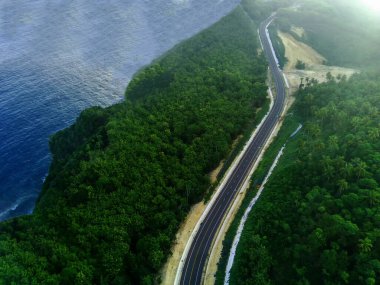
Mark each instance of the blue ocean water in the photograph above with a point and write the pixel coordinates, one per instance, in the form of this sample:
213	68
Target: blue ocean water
58	57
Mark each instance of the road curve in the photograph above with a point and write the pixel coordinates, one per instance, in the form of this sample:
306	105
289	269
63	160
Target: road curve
195	261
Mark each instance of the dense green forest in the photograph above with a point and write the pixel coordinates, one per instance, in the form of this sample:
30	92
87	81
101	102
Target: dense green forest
124	177
342	31
318	220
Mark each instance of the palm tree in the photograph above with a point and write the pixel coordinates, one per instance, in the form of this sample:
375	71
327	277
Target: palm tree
346	170
342	186
356	122
374	196
322	114
333	143
374	133
365	245
328	169
313	130
360	167
319	145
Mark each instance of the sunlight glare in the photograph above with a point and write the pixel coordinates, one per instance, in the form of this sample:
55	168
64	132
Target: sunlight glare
374	5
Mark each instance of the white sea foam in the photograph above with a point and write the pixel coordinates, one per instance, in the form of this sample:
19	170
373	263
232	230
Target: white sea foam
4	214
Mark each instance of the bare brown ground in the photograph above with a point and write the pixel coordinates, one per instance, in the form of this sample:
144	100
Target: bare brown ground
295	50
214	174
169	270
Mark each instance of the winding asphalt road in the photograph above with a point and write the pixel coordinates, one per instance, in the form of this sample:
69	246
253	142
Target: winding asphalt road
197	255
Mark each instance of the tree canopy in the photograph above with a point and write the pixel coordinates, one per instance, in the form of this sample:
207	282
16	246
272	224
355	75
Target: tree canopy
318	219
124	177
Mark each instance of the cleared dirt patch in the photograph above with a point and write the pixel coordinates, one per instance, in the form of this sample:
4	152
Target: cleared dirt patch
214	174
317	72
169	270
294	51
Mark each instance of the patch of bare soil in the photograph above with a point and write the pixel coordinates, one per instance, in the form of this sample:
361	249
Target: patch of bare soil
318	72
294	51
169	270
214	174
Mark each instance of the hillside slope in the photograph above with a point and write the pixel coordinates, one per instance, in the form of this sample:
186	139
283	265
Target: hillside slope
318	220
124	177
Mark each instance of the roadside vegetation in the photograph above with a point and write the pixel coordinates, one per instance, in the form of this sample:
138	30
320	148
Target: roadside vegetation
318	220
289	126
123	178
278	45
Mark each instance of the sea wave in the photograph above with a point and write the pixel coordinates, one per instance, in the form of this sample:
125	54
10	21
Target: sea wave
57	58
15	207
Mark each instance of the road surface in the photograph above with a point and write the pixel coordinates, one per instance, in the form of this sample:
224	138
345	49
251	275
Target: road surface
194	264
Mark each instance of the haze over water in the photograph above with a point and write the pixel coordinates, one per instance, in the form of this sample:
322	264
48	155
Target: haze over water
59	57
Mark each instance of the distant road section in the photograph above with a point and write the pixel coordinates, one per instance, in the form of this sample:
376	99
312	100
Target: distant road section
196	253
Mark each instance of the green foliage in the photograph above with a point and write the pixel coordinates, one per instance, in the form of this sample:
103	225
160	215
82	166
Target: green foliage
317	222
124	177
288	128
300	64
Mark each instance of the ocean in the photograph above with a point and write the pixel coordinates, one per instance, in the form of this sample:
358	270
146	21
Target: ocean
58	57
